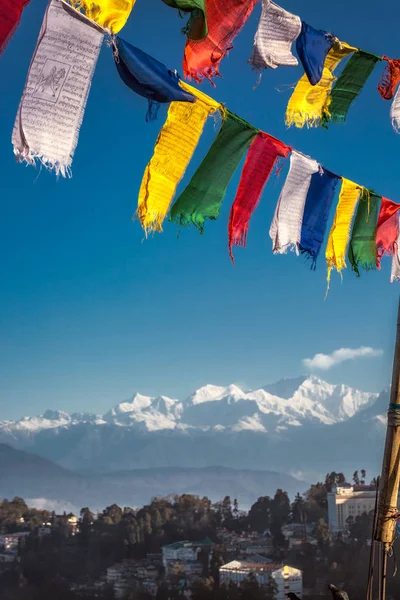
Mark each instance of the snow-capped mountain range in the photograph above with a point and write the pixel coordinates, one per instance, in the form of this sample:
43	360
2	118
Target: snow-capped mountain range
303	426
289	403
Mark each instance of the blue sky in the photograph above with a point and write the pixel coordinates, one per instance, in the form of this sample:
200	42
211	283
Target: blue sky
91	312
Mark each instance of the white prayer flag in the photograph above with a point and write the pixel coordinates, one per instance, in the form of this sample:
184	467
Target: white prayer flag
56	90
285	230
395	111
276	32
395	274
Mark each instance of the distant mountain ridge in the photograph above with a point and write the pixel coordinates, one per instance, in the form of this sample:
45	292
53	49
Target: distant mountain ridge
288	402
284	426
46	484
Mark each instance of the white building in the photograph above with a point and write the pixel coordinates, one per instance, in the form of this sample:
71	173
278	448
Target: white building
186	553
349	501
287	579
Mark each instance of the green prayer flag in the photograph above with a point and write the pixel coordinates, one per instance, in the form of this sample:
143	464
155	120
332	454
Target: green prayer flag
203	197
196	28
349	85
362	248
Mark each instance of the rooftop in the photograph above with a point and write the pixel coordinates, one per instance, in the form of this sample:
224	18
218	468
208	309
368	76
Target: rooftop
188	544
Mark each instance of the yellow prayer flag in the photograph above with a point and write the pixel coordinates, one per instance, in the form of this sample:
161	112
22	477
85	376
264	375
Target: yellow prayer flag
307	102
339	235
173	151
110	14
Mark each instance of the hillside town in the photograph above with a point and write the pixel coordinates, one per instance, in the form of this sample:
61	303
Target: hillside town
186	547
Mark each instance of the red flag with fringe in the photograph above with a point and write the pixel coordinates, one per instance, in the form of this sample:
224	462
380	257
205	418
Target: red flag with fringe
261	158
390	78
225	19
387	230
10	16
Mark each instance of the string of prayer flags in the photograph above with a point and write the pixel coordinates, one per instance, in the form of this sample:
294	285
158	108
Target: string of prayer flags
196	28
10	17
307	103
148	77
203	197
316	212
395	273
349	85
263	154
276	32
173	151
362	248
225	19
339	235
56	90
387	229
313	46
109	14
285	230
390	78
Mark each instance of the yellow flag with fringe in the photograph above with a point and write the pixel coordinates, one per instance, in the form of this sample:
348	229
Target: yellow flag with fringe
307	103
339	235
173	151
110	14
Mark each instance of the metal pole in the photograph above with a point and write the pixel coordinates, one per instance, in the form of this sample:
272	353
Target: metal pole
390	478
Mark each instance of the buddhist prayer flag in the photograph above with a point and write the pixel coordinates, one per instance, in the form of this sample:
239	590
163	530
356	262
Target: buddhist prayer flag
10	16
306	106
395	111
340	232
261	158
276	32
225	19
54	99
362	249
285	230
390	79
387	229
349	85
395	274
173	151
203	197
148	77
196	28
109	14
316	212
312	47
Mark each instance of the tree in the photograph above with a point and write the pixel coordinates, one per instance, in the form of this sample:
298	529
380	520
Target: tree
363	476
322	535
356	478
298	509
259	517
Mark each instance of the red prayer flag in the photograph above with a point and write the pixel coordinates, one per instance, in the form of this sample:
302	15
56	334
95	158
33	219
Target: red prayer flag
225	19
260	161
10	16
390	78
387	230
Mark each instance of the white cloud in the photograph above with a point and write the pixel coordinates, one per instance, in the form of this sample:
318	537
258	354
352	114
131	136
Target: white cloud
327	361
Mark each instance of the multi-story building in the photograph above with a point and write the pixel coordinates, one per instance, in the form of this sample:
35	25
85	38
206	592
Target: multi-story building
130	574
349	501
287	579
187	555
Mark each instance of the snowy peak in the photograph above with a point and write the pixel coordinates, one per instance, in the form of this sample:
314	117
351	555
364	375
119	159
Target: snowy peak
272	409
213	393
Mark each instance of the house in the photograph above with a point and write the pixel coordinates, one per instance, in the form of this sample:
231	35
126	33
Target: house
287	579
131	574
349	501
187	554
9	542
